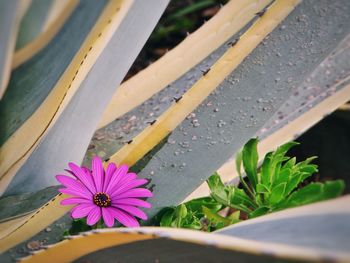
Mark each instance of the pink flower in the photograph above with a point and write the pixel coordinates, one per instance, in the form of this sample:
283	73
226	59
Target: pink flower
111	194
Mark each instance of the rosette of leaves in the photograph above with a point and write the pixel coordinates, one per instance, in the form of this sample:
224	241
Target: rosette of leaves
201	214
275	185
272	187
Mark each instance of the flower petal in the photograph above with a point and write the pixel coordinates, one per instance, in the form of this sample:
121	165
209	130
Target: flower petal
122	181
118	174
75	200
81	210
72	192
98	173
94	216
73	184
136	192
107	217
109	173
132	210
131	201
128	185
128	177
84	176
123	217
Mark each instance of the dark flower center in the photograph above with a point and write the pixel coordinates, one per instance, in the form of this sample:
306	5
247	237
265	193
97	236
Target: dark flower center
102	200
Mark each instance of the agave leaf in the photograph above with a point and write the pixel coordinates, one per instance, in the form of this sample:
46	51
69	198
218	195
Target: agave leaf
152	135
11	13
137	23
17	205
27	110
221	134
323	226
328	91
33	22
182	58
49	17
34	225
169	120
179	245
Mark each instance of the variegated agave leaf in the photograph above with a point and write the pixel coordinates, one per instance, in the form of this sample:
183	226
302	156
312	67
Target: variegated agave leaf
176	170
26	110
50	214
11	13
126	127
85	97
227	22
165	156
41	22
327	88
33	22
324	227
52	210
246	241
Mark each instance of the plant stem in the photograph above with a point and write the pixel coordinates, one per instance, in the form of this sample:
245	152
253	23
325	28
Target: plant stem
247	188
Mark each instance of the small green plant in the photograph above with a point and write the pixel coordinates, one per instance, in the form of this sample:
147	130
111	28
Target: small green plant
200	214
272	187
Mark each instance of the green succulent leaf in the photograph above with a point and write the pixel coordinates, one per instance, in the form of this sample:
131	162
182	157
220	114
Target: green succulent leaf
259	212
239	199
239	163
209	202
332	189
275	189
313	192
267	169
235	215
293	183
277	193
250	161
218	190
167	217
261	189
217	220
229	195
78	226
180	213
278	159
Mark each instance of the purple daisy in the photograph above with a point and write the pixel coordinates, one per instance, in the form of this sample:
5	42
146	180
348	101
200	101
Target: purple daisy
111	194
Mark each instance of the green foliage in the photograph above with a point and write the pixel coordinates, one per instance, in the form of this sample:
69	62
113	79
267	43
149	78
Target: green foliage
275	185
78	226
272	187
200	213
